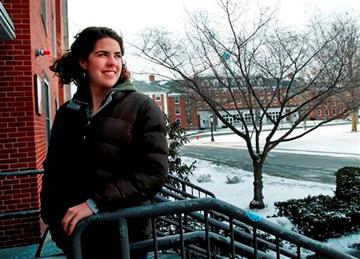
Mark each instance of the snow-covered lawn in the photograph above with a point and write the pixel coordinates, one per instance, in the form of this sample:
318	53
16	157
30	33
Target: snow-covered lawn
334	141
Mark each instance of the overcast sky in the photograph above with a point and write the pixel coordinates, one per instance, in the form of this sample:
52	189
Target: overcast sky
130	17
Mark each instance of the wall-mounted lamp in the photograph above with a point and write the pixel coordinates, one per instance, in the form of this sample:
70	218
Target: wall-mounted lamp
41	52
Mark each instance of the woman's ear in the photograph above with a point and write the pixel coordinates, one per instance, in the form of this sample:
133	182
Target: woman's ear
83	63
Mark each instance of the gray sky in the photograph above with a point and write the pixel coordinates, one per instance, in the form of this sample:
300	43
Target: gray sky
131	16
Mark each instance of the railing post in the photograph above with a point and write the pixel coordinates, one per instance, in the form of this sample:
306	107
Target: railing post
155	239
181	232
183	186
232	238
124	239
255	242
207	236
75	251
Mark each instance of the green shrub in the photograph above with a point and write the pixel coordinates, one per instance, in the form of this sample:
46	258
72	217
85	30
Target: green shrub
232	180
348	183
321	217
176	139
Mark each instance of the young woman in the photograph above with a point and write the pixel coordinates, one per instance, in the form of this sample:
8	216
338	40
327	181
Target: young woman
108	147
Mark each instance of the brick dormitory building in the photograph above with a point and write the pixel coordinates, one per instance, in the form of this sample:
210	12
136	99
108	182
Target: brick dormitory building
32	34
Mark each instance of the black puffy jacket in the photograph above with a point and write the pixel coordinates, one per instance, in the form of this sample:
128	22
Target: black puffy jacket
117	156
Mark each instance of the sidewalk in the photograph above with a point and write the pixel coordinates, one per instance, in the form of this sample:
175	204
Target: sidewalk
50	251
191	134
28	251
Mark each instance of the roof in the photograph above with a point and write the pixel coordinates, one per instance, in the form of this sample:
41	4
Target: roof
145	87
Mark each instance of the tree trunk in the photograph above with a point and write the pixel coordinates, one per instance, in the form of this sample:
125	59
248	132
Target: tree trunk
354	120
257	202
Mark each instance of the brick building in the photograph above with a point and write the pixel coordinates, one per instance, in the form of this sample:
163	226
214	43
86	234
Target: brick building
32	34
199	114
170	101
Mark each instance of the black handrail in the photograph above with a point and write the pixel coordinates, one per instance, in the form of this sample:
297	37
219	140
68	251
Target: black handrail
186	206
186	186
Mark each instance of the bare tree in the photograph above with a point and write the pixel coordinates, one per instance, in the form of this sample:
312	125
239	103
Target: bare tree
349	43
271	75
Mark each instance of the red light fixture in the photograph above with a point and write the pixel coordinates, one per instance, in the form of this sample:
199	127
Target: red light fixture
41	52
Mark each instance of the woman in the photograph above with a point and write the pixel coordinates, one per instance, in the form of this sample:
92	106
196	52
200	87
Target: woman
108	148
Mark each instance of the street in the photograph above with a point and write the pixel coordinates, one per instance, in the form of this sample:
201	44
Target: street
294	166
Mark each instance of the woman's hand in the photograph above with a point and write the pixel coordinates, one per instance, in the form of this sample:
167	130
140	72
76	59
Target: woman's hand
74	215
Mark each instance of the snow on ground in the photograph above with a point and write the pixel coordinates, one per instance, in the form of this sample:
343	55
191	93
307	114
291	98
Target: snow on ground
240	194
336	140
333	140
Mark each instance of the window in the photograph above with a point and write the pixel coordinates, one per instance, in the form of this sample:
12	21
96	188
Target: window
43	14
47	115
247	118
274	115
177	99
177	110
237	119
157	97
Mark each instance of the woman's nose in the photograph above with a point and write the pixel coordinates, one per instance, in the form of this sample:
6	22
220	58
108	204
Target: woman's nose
112	60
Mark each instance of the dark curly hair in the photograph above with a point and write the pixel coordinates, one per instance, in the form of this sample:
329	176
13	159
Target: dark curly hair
67	67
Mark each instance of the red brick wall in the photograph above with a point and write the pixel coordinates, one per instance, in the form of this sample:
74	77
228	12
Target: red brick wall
19	193
172	111
161	102
24	228
22	130
16	113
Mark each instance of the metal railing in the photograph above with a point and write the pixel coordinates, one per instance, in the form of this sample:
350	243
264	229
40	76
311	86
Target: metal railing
189	223
203	241
188	189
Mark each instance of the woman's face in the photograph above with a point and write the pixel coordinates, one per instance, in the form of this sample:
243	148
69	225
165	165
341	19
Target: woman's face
104	64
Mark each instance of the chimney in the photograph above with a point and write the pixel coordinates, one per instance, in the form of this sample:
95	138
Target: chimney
151	78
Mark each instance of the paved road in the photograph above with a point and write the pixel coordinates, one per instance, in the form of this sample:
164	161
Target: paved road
295	166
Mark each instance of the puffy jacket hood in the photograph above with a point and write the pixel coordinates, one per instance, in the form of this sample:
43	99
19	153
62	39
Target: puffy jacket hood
83	97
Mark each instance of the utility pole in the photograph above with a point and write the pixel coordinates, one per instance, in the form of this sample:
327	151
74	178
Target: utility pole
212	128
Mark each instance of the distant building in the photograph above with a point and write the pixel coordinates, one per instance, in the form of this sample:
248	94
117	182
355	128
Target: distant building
195	113
32	34
170	101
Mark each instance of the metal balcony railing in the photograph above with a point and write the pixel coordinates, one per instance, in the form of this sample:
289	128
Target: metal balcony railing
186	221
201	241
187	190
